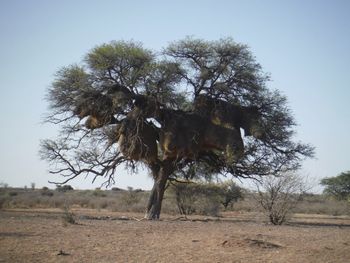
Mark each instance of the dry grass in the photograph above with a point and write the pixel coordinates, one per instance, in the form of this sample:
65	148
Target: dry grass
135	201
103	236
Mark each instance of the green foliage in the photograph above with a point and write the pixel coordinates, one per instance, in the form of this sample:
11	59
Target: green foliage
69	84
338	186
230	193
120	60
122	82
221	68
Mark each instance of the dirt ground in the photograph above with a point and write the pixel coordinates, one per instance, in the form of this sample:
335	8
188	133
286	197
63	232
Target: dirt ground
101	236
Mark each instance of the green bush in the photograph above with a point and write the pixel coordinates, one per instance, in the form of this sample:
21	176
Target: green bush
204	198
338	187
46	192
64	188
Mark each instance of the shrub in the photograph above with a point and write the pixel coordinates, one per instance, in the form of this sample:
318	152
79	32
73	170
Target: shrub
185	196
130	197
13	193
229	193
64	188
46	192
3	200
204	198
278	195
99	193
117	189
68	216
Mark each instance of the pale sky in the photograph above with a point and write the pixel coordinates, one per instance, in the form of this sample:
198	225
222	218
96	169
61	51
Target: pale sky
303	44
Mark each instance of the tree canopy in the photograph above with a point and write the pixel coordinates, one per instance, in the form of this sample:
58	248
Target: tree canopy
186	107
338	186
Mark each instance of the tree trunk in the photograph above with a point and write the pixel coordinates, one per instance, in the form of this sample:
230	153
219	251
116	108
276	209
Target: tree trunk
160	176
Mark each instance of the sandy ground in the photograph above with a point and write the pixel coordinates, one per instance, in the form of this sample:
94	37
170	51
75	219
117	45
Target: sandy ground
41	236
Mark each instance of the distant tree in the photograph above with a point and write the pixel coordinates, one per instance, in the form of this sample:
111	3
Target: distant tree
64	188
32	186
278	195
230	193
338	186
169	110
45	191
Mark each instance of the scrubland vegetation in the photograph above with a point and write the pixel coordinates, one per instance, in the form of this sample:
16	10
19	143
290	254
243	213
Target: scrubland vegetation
180	199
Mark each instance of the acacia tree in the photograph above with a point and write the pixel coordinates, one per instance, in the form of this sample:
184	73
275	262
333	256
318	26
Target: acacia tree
185	106
338	186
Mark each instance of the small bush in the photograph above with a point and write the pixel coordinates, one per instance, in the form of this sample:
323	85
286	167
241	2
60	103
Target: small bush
230	193
209	206
3	200
13	193
204	198
68	216
186	195
279	195
47	193
130	197
64	188
116	189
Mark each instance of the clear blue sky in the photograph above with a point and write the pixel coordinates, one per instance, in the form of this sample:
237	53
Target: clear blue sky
304	45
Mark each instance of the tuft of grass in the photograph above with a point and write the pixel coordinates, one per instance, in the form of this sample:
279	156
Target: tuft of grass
68	216
3	200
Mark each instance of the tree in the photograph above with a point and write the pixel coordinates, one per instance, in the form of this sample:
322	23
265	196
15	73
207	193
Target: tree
230	193
278	195
182	107
338	186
